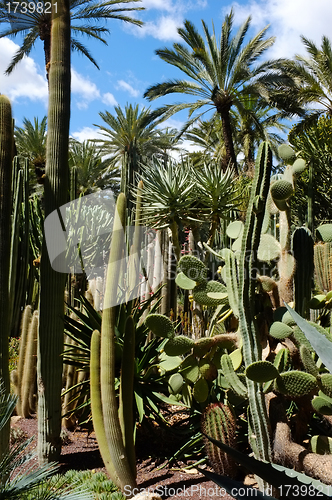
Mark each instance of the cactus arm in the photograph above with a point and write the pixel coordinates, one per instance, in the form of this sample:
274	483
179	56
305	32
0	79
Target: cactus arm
52	283
260	438
126	410
96	407
6	156
108	396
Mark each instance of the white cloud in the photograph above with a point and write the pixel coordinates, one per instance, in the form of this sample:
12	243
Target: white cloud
159	4
26	80
109	99
164	28
86	133
288	20
128	88
84	88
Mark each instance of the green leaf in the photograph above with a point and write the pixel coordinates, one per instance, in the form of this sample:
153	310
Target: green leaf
276	475
319	342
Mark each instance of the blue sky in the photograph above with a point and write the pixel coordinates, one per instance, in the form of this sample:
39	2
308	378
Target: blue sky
128	65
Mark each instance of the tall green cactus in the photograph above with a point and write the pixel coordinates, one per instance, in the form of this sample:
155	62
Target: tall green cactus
52	283
120	448
259	438
218	422
6	157
303	251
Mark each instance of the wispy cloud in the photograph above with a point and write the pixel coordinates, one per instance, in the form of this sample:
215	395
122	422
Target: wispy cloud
86	134
164	26
121	84
109	99
26	81
84	88
288	20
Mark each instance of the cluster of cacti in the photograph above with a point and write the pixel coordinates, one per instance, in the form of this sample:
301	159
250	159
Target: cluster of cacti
114	427
24	378
6	157
218	422
199	368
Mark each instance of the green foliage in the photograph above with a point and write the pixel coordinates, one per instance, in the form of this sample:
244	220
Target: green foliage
273	474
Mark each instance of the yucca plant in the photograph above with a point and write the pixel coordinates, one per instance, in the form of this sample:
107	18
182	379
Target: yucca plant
167	200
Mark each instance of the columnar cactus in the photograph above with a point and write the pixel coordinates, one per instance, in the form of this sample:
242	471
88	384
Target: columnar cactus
303	251
259	438
52	283
218	422
105	407
6	157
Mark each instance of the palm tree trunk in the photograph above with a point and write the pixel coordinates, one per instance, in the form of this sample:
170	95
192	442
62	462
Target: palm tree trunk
228	138
52	283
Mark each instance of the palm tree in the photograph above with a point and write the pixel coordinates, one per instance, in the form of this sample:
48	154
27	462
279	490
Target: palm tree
30	142
33	25
222	74
131	135
312	77
254	123
92	174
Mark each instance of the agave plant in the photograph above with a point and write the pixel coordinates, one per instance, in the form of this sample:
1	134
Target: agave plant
150	378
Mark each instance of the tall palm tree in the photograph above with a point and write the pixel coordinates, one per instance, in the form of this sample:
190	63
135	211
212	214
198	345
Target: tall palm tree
129	136
33	24
222	73
30	142
256	122
312	77
92	174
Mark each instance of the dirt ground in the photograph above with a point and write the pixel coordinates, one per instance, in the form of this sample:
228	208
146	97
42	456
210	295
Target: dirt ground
80	452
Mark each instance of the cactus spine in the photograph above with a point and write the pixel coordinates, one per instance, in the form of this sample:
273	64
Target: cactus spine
218	422
52	283
260	437
6	157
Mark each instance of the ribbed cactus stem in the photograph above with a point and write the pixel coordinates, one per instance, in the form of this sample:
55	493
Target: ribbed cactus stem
126	410
218	422
303	251
6	157
96	407
52	283
260	437
29	372
108	396
26	319
134	262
